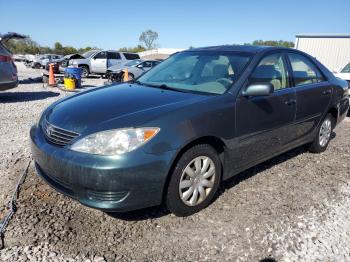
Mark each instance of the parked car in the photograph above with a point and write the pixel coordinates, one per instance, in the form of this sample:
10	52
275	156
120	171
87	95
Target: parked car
40	61
8	69
97	61
344	73
28	60
135	69
196	119
66	59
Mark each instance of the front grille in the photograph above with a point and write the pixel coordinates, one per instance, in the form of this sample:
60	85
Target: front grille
56	135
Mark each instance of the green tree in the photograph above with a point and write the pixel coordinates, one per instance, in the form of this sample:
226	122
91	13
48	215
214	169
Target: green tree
273	43
28	46
136	49
149	38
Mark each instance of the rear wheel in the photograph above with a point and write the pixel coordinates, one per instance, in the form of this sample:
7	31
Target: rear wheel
194	180
323	136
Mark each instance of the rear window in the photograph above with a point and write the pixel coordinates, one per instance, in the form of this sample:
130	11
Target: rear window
3	49
130	56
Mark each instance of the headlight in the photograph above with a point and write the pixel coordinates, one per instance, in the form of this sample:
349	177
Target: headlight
115	142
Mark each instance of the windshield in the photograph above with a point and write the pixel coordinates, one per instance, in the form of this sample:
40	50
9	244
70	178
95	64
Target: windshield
133	62
208	72
89	53
346	69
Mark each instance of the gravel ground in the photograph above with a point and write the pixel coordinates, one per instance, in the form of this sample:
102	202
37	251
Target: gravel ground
294	207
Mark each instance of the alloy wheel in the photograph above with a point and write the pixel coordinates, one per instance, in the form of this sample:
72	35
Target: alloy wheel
325	132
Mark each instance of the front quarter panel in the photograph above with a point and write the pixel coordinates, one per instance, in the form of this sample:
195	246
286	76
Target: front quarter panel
211	117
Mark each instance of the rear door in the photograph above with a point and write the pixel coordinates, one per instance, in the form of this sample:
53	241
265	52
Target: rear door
313	93
264	122
99	62
113	58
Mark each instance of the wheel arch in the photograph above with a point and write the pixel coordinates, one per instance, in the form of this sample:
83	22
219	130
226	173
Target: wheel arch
217	143
334	112
84	65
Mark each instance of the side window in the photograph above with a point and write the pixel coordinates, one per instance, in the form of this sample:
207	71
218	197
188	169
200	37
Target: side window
304	71
154	63
271	69
131	56
101	55
147	64
113	55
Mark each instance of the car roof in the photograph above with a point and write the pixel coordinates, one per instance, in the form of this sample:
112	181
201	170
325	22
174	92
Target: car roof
238	48
123	52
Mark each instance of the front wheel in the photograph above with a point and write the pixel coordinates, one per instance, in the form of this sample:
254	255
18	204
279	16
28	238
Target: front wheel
323	136
84	71
194	180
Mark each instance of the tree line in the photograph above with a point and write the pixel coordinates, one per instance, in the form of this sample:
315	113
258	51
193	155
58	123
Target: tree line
147	41
272	43
28	46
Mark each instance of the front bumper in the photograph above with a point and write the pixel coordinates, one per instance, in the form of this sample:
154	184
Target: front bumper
110	183
8	85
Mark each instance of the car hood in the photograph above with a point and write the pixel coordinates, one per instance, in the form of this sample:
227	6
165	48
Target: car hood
118	106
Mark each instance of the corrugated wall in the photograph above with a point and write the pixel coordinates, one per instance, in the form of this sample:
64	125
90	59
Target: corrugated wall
332	52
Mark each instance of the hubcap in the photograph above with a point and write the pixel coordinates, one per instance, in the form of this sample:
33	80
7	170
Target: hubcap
325	132
197	180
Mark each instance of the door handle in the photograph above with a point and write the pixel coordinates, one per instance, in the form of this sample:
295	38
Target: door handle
327	92
290	102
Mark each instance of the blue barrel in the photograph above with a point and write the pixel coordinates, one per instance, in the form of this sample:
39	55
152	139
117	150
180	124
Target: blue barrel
74	72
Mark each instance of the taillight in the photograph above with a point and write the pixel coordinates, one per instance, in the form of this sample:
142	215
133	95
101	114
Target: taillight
5	58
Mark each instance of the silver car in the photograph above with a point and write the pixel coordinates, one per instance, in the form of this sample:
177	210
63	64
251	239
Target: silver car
8	69
97	61
135	69
40	61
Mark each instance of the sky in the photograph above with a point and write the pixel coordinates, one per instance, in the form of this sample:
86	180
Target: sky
179	23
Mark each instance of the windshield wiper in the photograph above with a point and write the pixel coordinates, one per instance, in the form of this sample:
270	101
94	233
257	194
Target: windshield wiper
166	87
138	82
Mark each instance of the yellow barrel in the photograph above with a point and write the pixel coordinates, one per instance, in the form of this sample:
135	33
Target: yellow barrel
69	83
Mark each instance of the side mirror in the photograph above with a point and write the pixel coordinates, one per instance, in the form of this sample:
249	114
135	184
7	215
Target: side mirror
139	66
259	90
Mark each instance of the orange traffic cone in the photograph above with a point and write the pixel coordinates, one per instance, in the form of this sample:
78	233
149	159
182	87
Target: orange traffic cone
52	81
126	75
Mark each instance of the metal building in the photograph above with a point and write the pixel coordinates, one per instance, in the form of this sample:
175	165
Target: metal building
332	50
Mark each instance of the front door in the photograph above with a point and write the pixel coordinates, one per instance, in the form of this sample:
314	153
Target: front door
263	123
99	63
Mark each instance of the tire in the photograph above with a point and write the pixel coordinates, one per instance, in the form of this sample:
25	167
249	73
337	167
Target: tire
131	77
323	135
85	71
37	66
179	199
